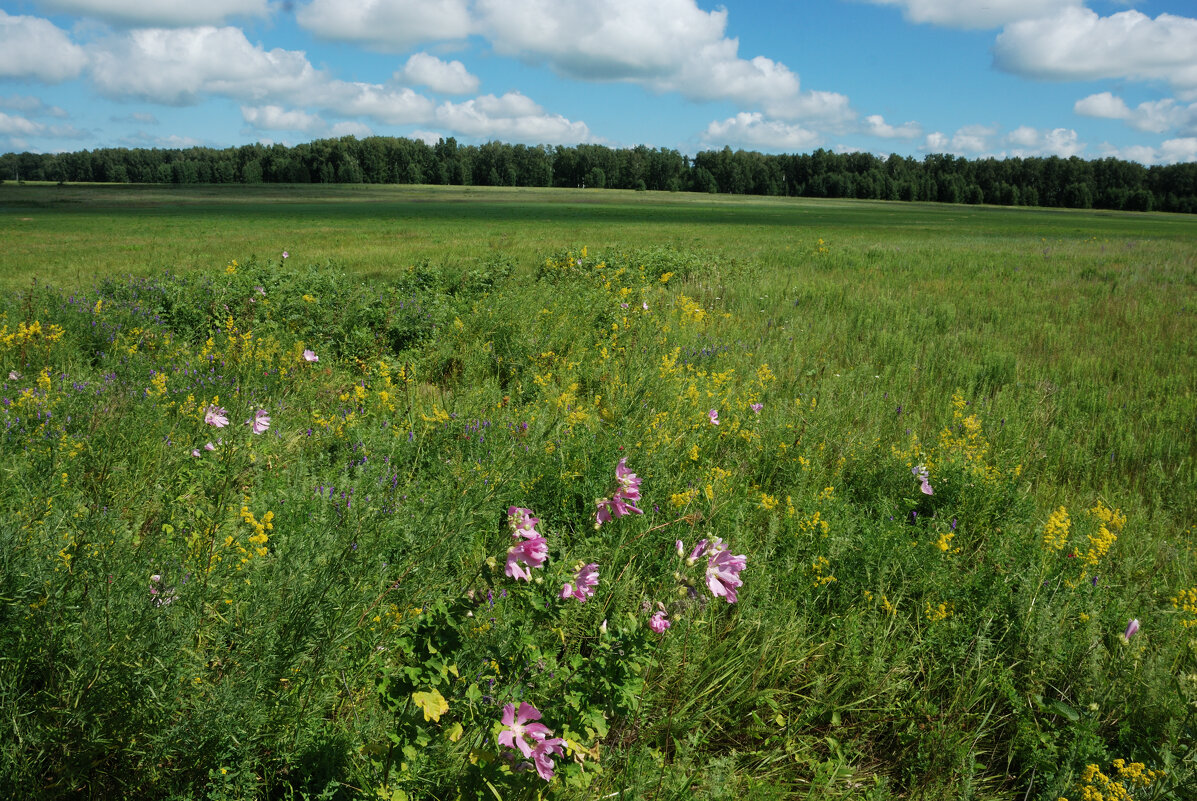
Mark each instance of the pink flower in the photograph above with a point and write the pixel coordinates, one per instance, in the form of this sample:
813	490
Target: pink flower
585	580
621	503
920	472
681	548
623	305
644	305
517	724
531	553
195	452
1132	629
756	407
310	356
697	553
723	572
542	756
659	621
260	290
286	254
216	416
523	524
209	446
713	416
260	421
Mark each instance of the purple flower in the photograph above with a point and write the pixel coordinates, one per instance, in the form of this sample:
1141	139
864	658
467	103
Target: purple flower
542	753
756	407
713	416
208	446
620	503
1132	628
195	452
310	356
523	524
216	416
920	472
585	580
286	255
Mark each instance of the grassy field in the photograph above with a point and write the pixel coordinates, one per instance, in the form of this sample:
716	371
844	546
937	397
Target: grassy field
950	451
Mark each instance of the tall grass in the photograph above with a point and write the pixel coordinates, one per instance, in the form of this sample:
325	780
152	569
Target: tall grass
283	615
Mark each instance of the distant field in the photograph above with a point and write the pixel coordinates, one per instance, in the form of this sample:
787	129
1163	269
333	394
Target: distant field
952	449
69	235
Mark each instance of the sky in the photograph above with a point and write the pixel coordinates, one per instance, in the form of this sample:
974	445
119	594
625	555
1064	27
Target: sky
974	78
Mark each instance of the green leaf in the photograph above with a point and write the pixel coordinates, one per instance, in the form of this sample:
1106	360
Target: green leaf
432	703
1067	711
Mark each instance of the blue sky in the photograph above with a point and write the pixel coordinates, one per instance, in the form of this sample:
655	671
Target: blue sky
976	78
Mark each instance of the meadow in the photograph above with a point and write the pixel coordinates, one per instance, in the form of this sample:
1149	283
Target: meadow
421	492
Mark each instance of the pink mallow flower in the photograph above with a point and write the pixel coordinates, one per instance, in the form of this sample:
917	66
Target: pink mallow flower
713	416
1132	629
529	553
523	524
542	756
310	356
195	452
621	503
660	620
216	416
723	571
920	472
585	580
260	421
518	724
756	407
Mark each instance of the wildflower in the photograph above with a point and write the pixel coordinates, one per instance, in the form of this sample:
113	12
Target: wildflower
1132	628
209	446
310	356
216	416
13	375
518	724
603	626
260	290
920	472
195	452
713	416
623	305
260	421
756	407
585	580
621	503
531	552
542	753
644	305
681	548
697	553
523	524
286	255
660	620
723	571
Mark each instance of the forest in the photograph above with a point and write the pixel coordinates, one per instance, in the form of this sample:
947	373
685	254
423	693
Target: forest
1107	183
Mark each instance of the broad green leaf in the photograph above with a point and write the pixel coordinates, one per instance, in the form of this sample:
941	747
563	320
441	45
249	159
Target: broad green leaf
432	703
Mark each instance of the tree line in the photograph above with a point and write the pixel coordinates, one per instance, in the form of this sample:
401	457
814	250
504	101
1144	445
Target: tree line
1039	181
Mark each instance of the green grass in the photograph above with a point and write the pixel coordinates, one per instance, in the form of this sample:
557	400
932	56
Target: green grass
886	643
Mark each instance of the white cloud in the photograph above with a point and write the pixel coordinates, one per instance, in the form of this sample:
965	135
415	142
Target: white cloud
392	25
974	14
1153	116
970	140
172	142
447	77
1171	151
1079	45
876	125
276	118
350	128
513	118
32	106
13	125
753	130
1028	141
140	117
31	47
176	67
429	138
386	105
160	12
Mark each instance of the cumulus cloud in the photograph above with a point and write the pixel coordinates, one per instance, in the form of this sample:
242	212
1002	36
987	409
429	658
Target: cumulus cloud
171	142
1079	45
139	117
168	13
351	128
512	117
753	130
970	140
1028	141
446	77
876	125
31	47
972	14
389	25
12	125
1153	116
1171	151
276	118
